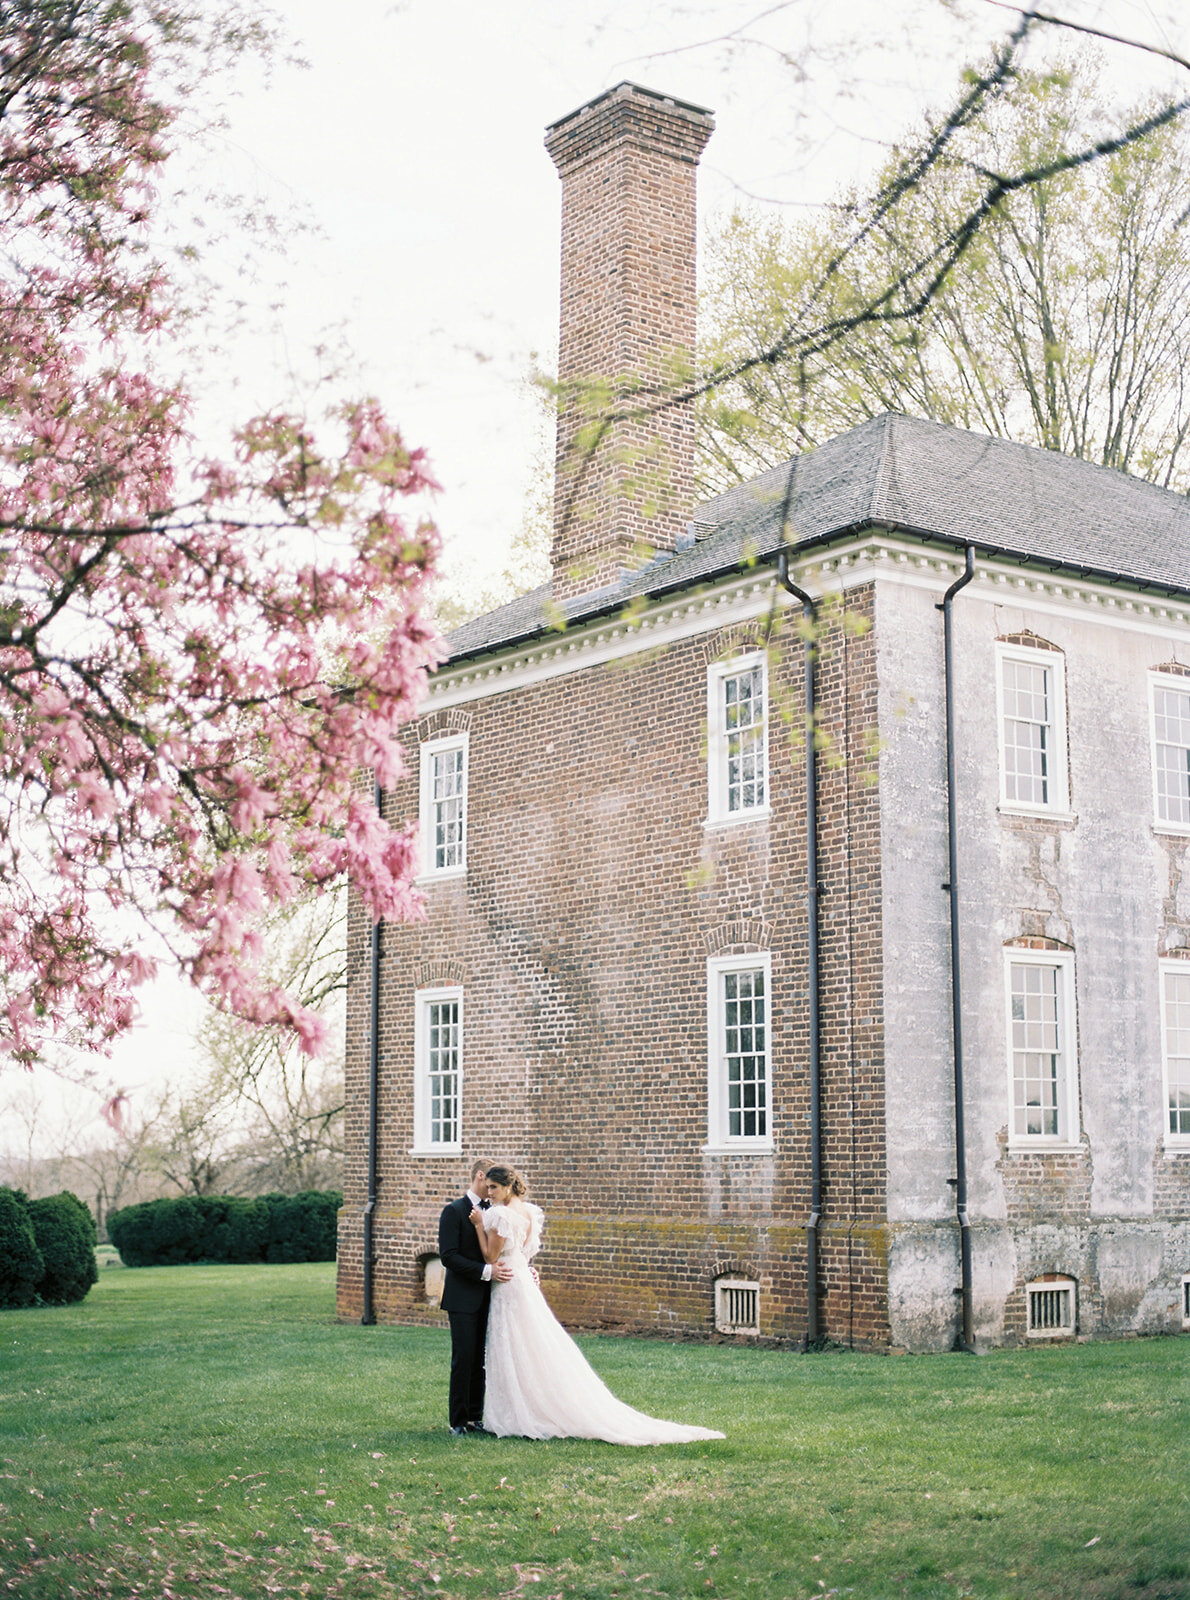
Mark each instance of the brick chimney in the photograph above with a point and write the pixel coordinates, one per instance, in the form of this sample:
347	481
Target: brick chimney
627	161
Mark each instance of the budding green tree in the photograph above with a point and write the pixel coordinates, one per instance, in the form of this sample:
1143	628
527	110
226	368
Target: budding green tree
1064	322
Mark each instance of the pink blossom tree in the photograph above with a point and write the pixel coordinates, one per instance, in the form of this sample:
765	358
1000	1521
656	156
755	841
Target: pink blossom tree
197	657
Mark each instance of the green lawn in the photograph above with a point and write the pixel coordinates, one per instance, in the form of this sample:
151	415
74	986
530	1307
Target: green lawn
212	1431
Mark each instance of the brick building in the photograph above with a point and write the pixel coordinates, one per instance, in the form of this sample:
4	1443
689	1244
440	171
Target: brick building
887	1044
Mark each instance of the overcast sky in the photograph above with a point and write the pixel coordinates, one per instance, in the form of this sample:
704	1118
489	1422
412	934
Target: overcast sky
415	140
412	145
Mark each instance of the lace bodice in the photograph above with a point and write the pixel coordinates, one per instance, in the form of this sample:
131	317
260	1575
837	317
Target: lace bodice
521	1234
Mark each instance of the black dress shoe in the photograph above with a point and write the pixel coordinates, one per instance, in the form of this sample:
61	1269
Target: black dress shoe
478	1427
460	1432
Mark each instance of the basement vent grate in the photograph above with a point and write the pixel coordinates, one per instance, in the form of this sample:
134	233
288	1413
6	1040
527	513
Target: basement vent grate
1051	1308
737	1306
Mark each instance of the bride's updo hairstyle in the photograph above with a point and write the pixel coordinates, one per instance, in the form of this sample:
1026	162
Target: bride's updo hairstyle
508	1178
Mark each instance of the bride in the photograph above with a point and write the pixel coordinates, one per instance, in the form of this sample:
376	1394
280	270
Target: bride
539	1383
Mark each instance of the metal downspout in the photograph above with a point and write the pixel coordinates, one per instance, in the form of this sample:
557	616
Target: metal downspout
966	1333
810	612
369	1317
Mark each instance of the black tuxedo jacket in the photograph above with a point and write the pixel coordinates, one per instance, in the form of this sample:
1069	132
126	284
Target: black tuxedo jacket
459	1253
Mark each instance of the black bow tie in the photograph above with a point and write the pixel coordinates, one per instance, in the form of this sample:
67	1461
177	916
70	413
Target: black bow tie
484	1204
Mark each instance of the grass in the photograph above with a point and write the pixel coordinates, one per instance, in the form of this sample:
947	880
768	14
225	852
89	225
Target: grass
212	1431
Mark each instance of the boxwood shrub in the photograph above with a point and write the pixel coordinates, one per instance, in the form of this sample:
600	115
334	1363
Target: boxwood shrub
228	1228
20	1259
65	1232
47	1249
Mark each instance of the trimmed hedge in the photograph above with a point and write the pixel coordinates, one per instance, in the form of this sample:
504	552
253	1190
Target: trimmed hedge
227	1228
20	1259
47	1249
65	1232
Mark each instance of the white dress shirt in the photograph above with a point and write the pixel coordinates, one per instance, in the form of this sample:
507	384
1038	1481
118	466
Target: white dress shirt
487	1270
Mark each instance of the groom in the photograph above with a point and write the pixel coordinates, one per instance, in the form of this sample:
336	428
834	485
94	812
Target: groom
465	1299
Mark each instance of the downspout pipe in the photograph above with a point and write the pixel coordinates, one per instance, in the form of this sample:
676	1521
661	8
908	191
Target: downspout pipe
966	1339
810	649
369	1317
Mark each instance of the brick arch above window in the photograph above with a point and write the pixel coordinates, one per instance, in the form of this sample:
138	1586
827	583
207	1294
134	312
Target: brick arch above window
734	1267
1175	952
1175	669
742	937
734	641
428	974
1031	640
438	724
1035	941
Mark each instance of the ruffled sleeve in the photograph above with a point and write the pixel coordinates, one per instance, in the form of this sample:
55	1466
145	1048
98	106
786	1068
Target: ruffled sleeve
499	1219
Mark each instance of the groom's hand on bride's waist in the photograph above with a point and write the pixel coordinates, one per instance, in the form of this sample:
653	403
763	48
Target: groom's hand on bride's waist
501	1272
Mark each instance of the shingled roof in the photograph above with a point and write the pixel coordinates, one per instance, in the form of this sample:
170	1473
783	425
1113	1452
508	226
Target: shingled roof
933	482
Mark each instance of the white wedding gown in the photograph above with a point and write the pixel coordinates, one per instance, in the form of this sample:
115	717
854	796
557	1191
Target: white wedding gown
539	1384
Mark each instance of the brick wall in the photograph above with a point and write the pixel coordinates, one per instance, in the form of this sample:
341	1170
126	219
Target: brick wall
593	897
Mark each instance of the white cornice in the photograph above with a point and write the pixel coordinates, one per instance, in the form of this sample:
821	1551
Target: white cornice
739	598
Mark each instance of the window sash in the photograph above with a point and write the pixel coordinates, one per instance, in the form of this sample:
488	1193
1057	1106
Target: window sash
745	1053
1041	1048
1036	1048
738	1025
447	789
1030	687
442	1071
737	744
438	1071
1171	754
1028	731
444	778
743	714
1175	1020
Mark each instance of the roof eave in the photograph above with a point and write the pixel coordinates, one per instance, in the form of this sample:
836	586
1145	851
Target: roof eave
821	541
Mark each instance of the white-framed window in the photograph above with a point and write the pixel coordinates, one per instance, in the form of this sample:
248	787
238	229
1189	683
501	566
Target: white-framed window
1051	1306
1186	1300
438	1072
739	1036
737	1306
1175	1052
1042	1058
738	739
1031	704
444	806
1169	704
